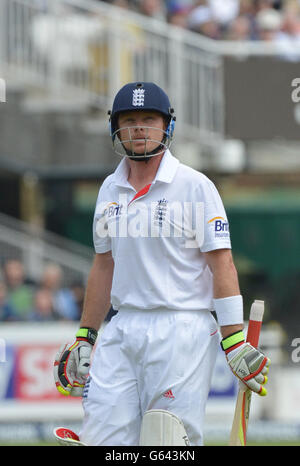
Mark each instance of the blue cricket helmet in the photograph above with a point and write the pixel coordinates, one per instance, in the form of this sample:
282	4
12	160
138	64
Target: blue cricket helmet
141	96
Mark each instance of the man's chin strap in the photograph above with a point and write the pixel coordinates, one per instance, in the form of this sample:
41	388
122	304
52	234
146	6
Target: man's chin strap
146	156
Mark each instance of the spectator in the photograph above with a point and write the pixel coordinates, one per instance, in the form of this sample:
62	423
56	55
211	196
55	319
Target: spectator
291	25
201	20
64	303
247	8
261	5
153	8
178	14
239	29
288	38
224	12
268	23
19	294
43	307
78	291
6	310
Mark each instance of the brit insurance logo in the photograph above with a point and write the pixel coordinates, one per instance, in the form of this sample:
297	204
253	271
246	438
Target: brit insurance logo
113	209
221	227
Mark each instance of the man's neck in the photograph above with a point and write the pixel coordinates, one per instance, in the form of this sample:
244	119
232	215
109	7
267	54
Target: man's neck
143	173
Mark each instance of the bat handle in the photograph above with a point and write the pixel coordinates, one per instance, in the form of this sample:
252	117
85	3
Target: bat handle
255	321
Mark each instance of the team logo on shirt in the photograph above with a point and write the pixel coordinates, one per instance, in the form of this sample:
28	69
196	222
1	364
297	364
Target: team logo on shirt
221	226
160	212
138	97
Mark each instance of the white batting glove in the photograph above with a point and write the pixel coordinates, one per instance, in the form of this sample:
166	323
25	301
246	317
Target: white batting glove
249	364
72	363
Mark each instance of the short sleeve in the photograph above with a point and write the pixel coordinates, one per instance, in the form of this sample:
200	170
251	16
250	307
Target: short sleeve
215	227
101	238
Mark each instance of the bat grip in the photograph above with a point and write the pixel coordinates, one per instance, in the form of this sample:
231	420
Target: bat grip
255	321
253	332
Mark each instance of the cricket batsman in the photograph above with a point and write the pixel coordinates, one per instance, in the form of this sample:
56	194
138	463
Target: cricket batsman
163	260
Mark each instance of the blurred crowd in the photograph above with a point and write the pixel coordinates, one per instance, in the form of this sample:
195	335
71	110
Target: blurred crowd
24	300
265	20
226	19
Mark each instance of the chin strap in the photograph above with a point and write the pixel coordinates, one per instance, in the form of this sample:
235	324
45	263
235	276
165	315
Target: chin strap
146	156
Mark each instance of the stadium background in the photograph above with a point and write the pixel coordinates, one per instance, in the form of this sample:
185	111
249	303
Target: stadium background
230	70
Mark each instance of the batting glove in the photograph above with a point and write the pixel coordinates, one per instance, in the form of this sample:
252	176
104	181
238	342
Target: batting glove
249	364
72	363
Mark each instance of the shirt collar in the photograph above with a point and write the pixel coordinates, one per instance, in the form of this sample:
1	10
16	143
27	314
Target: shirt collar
165	173
121	174
167	168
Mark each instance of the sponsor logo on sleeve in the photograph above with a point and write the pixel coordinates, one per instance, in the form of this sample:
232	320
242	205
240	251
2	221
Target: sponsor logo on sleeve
113	209
220	226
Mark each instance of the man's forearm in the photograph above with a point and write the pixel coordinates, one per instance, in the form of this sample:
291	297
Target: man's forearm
225	279
97	296
226	284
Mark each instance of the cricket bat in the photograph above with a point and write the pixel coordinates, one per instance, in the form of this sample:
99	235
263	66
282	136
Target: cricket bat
242	408
67	438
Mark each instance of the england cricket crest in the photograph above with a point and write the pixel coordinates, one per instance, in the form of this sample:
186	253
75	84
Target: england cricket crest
138	97
160	212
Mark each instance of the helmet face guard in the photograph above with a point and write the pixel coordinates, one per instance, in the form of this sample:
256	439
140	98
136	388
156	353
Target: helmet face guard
141	96
125	146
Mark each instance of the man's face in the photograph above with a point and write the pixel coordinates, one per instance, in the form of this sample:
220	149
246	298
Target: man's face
141	131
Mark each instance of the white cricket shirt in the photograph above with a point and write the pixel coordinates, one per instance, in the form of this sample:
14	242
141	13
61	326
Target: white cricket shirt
158	235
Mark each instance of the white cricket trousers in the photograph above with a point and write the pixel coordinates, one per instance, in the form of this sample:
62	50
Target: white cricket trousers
149	360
